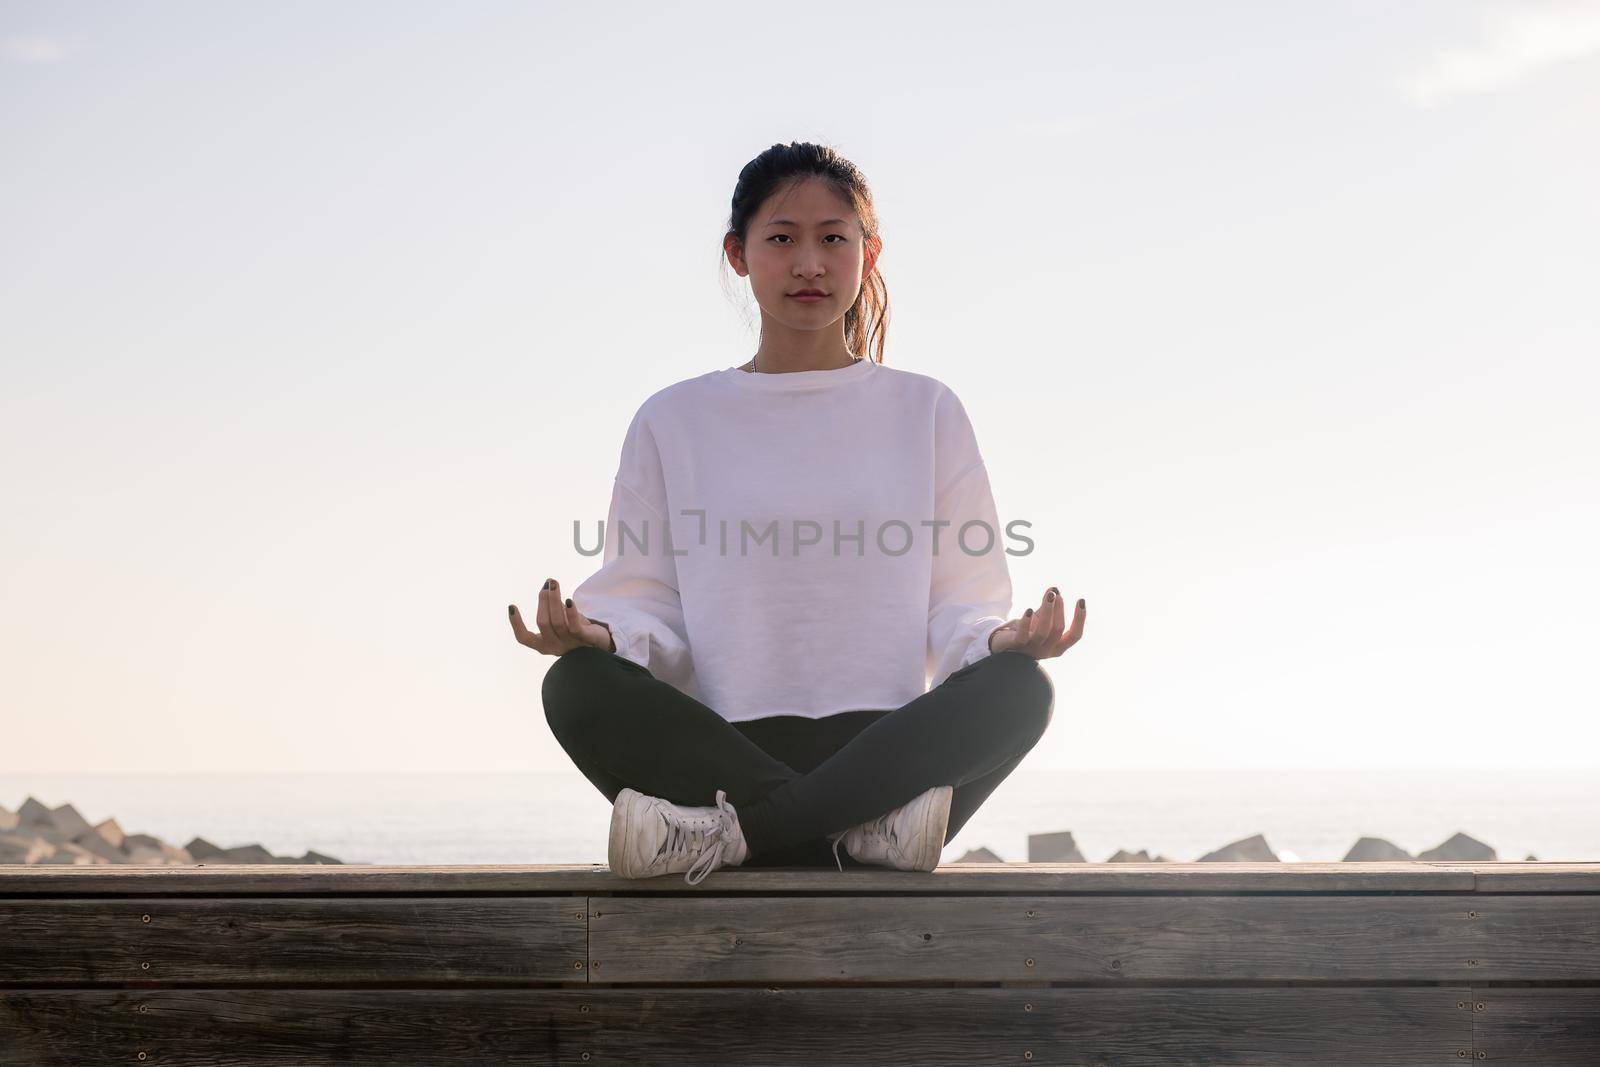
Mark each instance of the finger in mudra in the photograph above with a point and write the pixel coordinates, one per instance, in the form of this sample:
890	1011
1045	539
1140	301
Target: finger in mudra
561	627
1041	633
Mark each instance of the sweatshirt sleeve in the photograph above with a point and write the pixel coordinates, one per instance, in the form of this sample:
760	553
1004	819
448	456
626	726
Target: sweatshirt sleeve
635	591
971	593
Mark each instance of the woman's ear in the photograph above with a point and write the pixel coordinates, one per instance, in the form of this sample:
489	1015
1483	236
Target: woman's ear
734	250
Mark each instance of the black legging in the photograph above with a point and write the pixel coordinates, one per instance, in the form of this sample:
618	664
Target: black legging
792	779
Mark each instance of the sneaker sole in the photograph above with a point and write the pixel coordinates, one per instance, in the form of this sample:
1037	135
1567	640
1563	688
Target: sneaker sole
935	819
616	844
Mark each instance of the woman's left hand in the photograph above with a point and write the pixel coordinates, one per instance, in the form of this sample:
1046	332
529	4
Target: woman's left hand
1039	633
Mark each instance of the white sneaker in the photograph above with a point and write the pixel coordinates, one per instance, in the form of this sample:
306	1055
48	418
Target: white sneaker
910	838
651	836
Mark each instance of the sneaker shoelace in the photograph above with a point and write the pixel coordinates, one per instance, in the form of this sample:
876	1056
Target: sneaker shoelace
682	840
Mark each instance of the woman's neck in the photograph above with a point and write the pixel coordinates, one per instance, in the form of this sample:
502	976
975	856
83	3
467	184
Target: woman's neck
785	363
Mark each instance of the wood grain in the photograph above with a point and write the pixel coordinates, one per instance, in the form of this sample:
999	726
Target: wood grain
1087	964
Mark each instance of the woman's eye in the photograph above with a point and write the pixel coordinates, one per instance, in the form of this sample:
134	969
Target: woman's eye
842	238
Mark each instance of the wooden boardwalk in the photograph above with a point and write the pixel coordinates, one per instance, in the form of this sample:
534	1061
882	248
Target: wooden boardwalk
1098	965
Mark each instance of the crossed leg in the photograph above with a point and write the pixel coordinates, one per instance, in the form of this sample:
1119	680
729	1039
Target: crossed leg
622	726
970	731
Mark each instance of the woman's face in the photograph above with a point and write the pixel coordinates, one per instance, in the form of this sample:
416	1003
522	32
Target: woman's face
804	238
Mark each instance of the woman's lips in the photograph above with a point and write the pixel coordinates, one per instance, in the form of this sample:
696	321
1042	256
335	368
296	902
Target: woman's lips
807	298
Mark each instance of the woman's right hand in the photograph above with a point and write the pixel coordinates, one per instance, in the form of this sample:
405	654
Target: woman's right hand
562	627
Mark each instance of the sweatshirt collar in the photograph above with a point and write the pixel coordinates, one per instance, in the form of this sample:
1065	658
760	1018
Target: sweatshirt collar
792	381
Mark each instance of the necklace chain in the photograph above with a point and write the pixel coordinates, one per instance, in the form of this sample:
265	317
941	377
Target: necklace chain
752	364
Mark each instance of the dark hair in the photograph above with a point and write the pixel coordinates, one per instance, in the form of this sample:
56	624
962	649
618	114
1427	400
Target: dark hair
784	165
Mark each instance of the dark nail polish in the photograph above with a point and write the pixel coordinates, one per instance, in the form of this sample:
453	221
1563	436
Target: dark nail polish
569	602
1050	597
1054	590
547	582
511	609
1028	612
1080	602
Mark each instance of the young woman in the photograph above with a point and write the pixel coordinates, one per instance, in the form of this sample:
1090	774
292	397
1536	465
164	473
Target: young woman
851	679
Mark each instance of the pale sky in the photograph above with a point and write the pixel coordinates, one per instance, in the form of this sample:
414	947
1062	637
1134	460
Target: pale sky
321	323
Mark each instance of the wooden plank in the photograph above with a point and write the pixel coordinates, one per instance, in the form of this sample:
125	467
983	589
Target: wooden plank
1133	1027
327	879
1545	938
661	939
1538	877
302	940
263	1027
819	938
1537	1027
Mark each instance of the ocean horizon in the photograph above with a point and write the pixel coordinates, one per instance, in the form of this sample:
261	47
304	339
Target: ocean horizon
537	817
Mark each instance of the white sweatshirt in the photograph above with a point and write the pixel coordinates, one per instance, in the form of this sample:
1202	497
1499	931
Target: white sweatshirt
719	573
